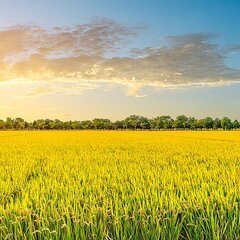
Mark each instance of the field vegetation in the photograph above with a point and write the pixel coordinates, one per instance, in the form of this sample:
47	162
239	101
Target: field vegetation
119	185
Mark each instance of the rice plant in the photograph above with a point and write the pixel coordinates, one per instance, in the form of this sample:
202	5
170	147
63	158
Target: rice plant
119	185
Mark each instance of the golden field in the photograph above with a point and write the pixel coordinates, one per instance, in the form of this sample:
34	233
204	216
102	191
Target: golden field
120	185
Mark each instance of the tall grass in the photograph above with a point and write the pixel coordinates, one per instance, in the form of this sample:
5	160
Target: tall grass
120	185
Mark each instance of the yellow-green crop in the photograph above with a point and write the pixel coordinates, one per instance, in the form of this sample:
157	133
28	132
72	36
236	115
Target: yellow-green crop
119	185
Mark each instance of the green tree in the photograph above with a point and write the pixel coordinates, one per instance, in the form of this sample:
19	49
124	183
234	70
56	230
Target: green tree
200	124
132	122
208	123
2	125
152	123
226	123
118	125
181	122
235	124
87	124
144	123
192	123
157	123
9	123
39	124
101	123
217	123
168	122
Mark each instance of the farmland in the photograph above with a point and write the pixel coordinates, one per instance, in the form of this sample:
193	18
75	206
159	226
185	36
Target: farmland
119	185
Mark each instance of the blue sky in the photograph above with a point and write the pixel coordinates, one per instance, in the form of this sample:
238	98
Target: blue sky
161	78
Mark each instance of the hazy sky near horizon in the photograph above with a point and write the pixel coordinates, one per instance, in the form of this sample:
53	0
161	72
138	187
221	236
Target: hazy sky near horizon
83	59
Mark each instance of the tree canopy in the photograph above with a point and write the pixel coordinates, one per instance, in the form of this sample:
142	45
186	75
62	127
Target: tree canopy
133	122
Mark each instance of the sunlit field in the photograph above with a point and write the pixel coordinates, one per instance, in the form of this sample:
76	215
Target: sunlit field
120	185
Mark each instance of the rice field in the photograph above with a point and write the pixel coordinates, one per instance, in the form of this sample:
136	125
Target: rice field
120	185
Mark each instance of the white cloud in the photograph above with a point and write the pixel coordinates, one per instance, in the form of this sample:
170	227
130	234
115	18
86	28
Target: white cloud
74	59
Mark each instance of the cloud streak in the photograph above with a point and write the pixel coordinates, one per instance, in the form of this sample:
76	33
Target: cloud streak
72	59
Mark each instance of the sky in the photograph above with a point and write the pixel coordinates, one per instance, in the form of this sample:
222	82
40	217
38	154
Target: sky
77	60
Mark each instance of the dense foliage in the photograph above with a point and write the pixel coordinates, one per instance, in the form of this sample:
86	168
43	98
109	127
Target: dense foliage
132	122
119	185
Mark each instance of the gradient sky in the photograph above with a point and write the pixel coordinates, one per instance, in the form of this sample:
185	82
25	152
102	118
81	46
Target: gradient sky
85	59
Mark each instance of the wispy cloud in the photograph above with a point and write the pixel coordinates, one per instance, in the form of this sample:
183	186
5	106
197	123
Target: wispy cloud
72	59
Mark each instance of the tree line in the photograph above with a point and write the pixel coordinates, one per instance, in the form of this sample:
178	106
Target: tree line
133	122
